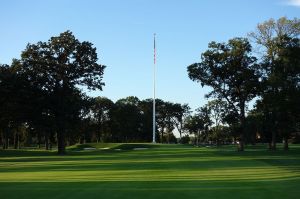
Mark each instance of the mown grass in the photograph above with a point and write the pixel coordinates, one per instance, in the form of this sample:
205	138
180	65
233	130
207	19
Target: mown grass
160	171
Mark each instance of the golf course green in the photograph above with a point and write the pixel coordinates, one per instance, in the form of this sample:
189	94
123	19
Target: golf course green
150	171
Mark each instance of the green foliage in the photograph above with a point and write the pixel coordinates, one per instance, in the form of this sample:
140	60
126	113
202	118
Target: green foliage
232	73
230	70
270	33
280	74
57	67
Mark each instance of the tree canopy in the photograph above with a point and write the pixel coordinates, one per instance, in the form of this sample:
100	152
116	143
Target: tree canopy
232	72
58	67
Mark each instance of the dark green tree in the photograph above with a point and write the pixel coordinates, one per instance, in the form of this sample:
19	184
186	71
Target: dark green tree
231	71
15	103
58	66
195	125
146	108
169	116
161	117
254	127
128	120
284	80
102	109
271	36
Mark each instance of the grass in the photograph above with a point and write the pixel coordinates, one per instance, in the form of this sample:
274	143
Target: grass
160	171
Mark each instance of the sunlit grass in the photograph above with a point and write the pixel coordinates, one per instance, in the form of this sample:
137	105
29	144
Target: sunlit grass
160	171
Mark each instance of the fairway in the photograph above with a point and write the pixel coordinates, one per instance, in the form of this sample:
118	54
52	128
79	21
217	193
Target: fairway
157	171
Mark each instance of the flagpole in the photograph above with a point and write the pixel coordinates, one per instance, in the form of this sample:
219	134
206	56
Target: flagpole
154	62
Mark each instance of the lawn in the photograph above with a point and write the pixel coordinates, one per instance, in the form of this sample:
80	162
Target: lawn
160	171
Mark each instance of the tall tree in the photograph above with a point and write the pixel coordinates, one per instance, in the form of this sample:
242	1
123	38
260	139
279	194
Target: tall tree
286	80
57	67
232	73
271	36
15	101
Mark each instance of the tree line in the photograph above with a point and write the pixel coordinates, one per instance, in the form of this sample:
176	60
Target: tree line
42	99
271	74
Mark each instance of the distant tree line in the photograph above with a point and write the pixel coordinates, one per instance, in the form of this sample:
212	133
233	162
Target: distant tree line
42	102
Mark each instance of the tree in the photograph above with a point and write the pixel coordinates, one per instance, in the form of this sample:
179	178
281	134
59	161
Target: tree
204	113
161	115
57	67
195	124
128	119
146	108
270	33
180	112
102	109
15	102
285	79
271	36
217	110
232	73
169	116
254	126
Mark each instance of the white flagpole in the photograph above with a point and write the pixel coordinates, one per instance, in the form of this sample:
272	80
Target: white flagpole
154	62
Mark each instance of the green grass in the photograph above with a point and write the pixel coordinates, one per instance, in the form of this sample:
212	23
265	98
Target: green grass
161	171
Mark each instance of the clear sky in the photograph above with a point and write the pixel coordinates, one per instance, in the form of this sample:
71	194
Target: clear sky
122	31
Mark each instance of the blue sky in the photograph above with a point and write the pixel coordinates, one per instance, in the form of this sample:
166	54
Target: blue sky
122	31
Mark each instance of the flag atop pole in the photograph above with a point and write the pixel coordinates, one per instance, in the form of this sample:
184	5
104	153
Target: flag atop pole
154	62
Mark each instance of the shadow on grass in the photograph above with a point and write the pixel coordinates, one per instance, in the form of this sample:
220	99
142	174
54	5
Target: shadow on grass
152	189
180	159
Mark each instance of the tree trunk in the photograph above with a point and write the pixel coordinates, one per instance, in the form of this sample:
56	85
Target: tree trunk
285	143
5	139
241	142
2	139
162	135
180	132
61	142
273	142
7	142
242	119
168	137
61	119
180	137
50	145
198	138
47	141
15	141
270	145
39	139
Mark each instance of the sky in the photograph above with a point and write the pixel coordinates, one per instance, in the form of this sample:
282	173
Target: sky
122	31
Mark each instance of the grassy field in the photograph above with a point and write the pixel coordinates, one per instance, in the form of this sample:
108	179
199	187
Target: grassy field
160	171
